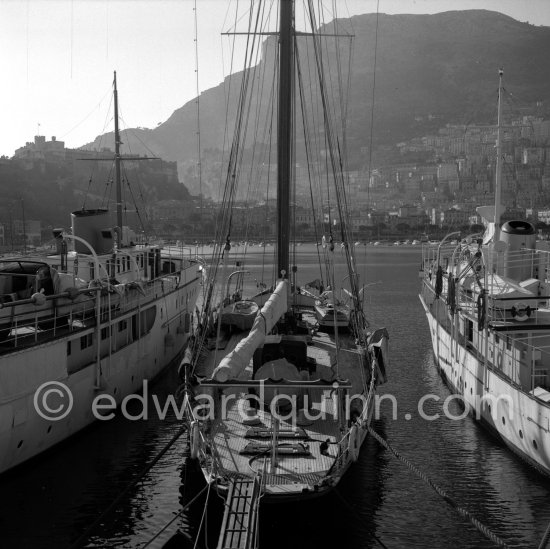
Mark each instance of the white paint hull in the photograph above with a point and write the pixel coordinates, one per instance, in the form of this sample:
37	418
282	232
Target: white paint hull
522	421
24	433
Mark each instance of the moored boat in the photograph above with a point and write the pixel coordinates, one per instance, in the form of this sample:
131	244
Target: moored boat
487	301
85	326
278	411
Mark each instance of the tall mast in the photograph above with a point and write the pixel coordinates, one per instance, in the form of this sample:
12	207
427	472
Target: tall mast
117	171
284	134
498	179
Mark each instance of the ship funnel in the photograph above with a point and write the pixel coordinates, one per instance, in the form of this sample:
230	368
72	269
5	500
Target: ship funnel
520	237
93	227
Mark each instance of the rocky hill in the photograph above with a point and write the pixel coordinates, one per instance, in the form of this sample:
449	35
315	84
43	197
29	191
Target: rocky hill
430	70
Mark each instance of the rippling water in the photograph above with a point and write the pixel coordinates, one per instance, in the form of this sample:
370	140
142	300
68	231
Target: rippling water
51	501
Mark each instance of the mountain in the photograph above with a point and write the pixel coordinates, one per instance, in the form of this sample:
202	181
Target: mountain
430	70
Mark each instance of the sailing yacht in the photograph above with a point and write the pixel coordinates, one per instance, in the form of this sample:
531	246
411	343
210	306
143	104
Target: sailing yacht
86	326
487	301
278	411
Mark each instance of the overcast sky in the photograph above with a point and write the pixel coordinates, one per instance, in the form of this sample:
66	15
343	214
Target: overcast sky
58	57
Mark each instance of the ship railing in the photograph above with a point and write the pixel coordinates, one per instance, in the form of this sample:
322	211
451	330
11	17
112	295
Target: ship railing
209	457
40	318
524	359
26	322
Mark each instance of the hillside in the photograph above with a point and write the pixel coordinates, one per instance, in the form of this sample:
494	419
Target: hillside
431	70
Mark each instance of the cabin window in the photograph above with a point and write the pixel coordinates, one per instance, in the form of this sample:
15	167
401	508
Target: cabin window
68	348
105	332
508	344
86	341
469	330
122	325
497	338
147	320
92	271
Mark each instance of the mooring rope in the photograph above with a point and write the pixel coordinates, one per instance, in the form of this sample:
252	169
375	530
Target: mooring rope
178	514
545	538
460	510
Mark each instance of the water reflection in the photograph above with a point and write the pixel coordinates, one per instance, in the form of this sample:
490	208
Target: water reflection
50	502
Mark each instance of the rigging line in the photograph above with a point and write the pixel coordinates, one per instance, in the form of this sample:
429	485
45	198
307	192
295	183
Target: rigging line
179	513
373	97
72	35
138	179
224	225
108	92
84	537
138	213
270	150
308	154
314	102
127	132
203	517
256	140
333	149
197	100
241	124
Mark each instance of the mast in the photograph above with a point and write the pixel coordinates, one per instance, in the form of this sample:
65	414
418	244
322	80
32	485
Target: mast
117	171
498	179
284	134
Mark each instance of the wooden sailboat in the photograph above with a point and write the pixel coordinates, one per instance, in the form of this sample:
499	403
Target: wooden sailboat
277	409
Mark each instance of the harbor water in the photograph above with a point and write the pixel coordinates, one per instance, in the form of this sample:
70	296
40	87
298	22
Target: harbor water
51	501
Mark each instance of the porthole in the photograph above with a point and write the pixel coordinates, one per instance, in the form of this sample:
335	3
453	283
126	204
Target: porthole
115	391
21	443
520	433
49	429
503	421
471	391
535	444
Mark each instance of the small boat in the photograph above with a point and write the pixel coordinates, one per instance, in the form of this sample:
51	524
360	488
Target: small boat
331	312
239	314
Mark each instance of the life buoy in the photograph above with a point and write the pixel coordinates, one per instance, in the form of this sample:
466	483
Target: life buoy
194	439
520	311
354	443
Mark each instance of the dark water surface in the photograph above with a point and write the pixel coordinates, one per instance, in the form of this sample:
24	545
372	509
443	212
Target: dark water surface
52	500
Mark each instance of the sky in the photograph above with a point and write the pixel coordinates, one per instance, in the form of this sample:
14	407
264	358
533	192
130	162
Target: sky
58	57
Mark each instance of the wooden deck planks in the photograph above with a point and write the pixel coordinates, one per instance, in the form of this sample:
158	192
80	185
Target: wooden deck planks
229	440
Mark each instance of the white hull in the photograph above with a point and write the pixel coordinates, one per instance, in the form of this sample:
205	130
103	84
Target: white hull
520	419
24	433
